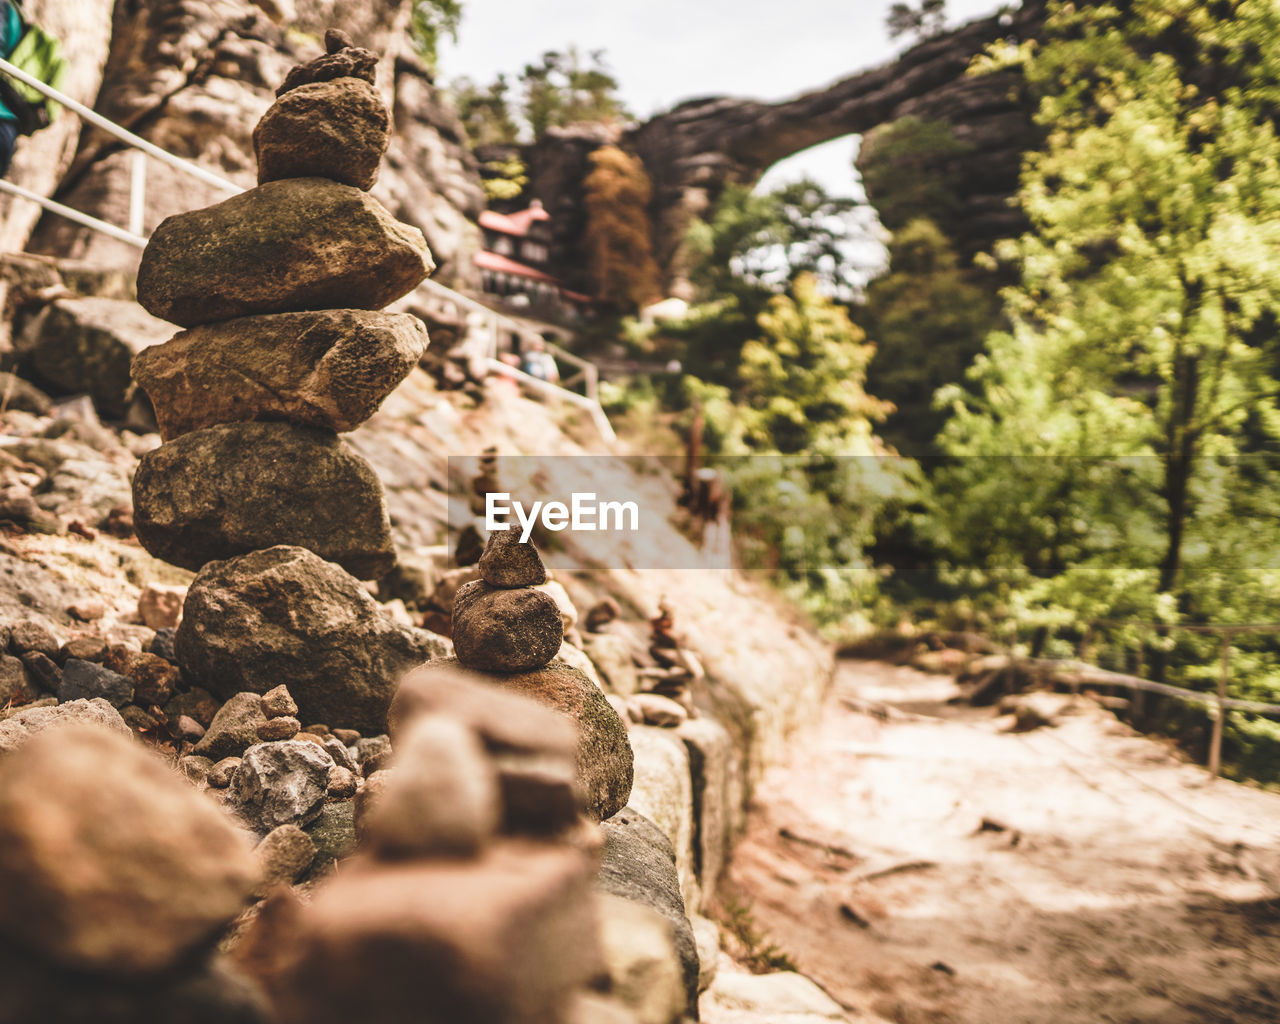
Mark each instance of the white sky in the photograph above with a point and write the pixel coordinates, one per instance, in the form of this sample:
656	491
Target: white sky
664	51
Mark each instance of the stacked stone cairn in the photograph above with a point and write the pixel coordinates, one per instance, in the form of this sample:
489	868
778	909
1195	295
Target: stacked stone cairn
507	630
279	289
667	685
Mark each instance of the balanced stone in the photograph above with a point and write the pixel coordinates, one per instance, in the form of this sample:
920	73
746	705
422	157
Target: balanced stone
239	487
286	246
603	761
506	562
342	59
498	630
328	369
337	129
109	862
285	614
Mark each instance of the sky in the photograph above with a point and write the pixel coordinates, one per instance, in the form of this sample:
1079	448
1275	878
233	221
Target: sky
665	51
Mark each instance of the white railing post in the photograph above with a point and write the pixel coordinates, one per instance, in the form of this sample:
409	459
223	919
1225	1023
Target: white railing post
138	192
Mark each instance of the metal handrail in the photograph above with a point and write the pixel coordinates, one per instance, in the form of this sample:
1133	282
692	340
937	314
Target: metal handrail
134	236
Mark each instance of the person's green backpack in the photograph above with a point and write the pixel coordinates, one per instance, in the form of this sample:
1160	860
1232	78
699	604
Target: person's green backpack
39	54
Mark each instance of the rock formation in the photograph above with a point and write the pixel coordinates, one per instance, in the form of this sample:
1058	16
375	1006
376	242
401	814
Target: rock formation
261	278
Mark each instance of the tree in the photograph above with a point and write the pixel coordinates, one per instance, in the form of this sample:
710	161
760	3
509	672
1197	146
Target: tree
930	319
485	111
1142	357
924	21
617	239
431	21
566	87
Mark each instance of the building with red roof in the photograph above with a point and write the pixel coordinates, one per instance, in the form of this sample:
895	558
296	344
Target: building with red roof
514	262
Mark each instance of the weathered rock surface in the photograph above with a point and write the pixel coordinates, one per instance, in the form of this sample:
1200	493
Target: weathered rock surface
784	997
285	614
663	792
603	759
15	688
286	246
506	562
234	728
84	345
109	862
283	855
341	59
329	369
84	680
19	728
502	939
640	959
440	799
241	487
337	129
639	864
498	630
280	784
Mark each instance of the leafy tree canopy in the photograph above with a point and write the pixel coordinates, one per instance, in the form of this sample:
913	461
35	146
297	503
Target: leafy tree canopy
431	21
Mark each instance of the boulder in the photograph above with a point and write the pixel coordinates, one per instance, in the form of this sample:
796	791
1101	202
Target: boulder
505	938
286	246
286	615
329	369
718	789
506	562
639	864
21	396
337	129
603	759
497	630
109	862
85	345
441	798
640	960
19	728
240	487
280	784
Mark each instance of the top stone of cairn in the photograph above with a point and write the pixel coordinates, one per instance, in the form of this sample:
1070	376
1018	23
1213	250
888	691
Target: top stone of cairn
508	563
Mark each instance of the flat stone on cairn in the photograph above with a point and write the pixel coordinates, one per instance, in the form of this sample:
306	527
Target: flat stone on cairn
283	247
329	369
241	487
279	286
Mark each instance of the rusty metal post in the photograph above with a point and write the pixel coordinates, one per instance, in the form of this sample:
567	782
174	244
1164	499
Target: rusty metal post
1215	744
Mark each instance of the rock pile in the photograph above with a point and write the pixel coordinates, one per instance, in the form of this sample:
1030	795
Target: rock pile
279	288
473	893
667	699
507	631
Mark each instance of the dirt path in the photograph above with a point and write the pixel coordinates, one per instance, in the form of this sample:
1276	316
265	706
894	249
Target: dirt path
1113	882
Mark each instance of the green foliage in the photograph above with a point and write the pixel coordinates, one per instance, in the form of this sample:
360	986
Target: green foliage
566	87
929	319
431	21
759	242
924	21
906	168
755	950
1110	459
503	179
617	239
485	111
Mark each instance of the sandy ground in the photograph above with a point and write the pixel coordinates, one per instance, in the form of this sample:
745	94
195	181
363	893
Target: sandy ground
1113	882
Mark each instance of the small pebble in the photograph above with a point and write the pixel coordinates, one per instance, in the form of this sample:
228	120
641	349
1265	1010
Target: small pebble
28	637
318	729
219	776
86	648
188	728
278	703
348	737
282	728
310	737
342	782
42	671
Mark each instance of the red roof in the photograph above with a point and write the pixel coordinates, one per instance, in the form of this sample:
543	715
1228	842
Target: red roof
517	224
487	260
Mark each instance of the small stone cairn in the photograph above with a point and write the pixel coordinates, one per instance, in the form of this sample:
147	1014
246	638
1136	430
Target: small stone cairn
279	289
508	631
